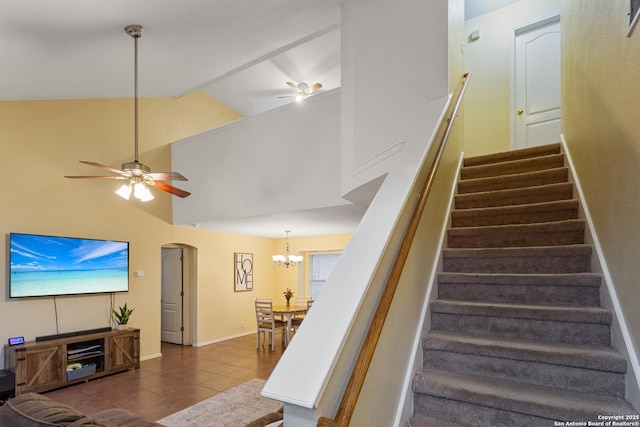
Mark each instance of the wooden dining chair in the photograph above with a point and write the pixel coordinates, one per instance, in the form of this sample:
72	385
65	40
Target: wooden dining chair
296	321
267	323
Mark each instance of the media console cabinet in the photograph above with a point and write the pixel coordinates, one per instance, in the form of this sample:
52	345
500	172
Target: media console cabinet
44	365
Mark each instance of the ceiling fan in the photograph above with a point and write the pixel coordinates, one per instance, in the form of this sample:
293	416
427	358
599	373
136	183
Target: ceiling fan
138	174
302	90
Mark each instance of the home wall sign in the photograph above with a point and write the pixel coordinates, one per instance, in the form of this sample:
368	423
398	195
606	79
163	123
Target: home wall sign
243	271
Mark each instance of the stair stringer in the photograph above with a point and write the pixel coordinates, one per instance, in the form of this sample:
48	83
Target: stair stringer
405	406
620	338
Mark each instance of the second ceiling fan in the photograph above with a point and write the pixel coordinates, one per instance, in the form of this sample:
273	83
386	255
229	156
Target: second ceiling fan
302	90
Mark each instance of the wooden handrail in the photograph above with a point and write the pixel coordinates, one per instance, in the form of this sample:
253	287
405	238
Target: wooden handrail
356	381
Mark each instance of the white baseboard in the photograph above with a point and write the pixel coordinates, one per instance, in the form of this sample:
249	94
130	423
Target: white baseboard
244	334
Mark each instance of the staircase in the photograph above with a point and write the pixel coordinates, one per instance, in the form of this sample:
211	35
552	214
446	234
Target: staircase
518	336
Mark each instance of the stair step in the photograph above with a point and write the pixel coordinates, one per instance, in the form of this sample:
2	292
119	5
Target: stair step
517	196
517	214
578	356
472	400
569	232
551	161
422	421
586	369
571	325
528	260
579	289
529	179
589	315
543	150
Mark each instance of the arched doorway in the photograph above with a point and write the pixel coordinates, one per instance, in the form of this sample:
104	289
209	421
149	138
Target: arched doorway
178	296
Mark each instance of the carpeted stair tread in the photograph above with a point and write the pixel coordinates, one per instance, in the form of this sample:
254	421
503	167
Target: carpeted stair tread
535	400
578	356
503	182
577	289
568	232
542	150
518	214
521	260
589	315
516	196
551	161
573	279
565	250
422	421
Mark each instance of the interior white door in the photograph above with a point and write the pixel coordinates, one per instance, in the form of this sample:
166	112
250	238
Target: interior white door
171	304
536	84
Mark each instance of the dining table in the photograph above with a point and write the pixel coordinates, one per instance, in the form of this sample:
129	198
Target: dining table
287	312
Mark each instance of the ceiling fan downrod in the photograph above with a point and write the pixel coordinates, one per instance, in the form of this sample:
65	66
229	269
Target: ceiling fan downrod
135	31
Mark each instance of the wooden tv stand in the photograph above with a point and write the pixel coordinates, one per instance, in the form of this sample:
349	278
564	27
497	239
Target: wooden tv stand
42	365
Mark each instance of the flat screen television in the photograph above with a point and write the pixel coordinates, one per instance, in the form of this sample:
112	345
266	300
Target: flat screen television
51	265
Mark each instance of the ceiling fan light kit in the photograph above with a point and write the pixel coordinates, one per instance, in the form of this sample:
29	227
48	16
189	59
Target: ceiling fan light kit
302	90
139	175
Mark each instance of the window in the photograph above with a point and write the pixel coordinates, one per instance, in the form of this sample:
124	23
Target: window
321	265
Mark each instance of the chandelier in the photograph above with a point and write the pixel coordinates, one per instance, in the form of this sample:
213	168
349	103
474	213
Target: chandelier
287	260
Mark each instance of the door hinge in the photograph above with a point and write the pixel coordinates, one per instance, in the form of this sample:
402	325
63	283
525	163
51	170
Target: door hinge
181	328
181	293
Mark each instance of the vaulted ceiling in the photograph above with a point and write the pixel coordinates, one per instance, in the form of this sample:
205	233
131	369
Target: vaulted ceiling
240	51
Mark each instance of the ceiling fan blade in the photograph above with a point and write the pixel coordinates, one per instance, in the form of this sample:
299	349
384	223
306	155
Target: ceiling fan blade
315	87
98	165
166	176
171	189
293	86
94	176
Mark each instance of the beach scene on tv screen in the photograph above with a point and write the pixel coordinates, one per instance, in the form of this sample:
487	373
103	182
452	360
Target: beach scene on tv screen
46	265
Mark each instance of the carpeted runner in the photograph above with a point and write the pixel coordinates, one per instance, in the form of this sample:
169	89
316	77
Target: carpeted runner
518	336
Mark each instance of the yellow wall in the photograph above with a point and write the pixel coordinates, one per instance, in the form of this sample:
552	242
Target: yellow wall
487	101
41	141
600	98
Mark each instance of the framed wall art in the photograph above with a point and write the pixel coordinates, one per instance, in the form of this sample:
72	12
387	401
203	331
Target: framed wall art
242	272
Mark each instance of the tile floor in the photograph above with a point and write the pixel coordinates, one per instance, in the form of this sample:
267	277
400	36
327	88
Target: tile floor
183	376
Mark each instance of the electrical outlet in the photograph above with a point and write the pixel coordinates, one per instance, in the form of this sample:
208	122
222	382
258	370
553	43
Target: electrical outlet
242	325
141	344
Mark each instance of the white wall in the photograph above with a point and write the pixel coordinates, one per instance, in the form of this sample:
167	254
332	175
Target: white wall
487	101
391	70
283	160
384	43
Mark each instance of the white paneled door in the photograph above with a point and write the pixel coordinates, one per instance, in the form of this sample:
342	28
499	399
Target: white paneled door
536	84
171	305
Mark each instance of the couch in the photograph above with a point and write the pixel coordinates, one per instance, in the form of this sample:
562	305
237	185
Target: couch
35	410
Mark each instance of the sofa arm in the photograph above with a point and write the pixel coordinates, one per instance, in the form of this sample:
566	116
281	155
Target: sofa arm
34	410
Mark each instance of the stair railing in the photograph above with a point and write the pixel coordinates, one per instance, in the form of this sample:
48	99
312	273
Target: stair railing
359	373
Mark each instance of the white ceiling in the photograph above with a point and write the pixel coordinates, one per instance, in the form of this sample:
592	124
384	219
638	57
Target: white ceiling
78	48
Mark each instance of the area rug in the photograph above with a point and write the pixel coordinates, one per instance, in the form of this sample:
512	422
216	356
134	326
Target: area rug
235	407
